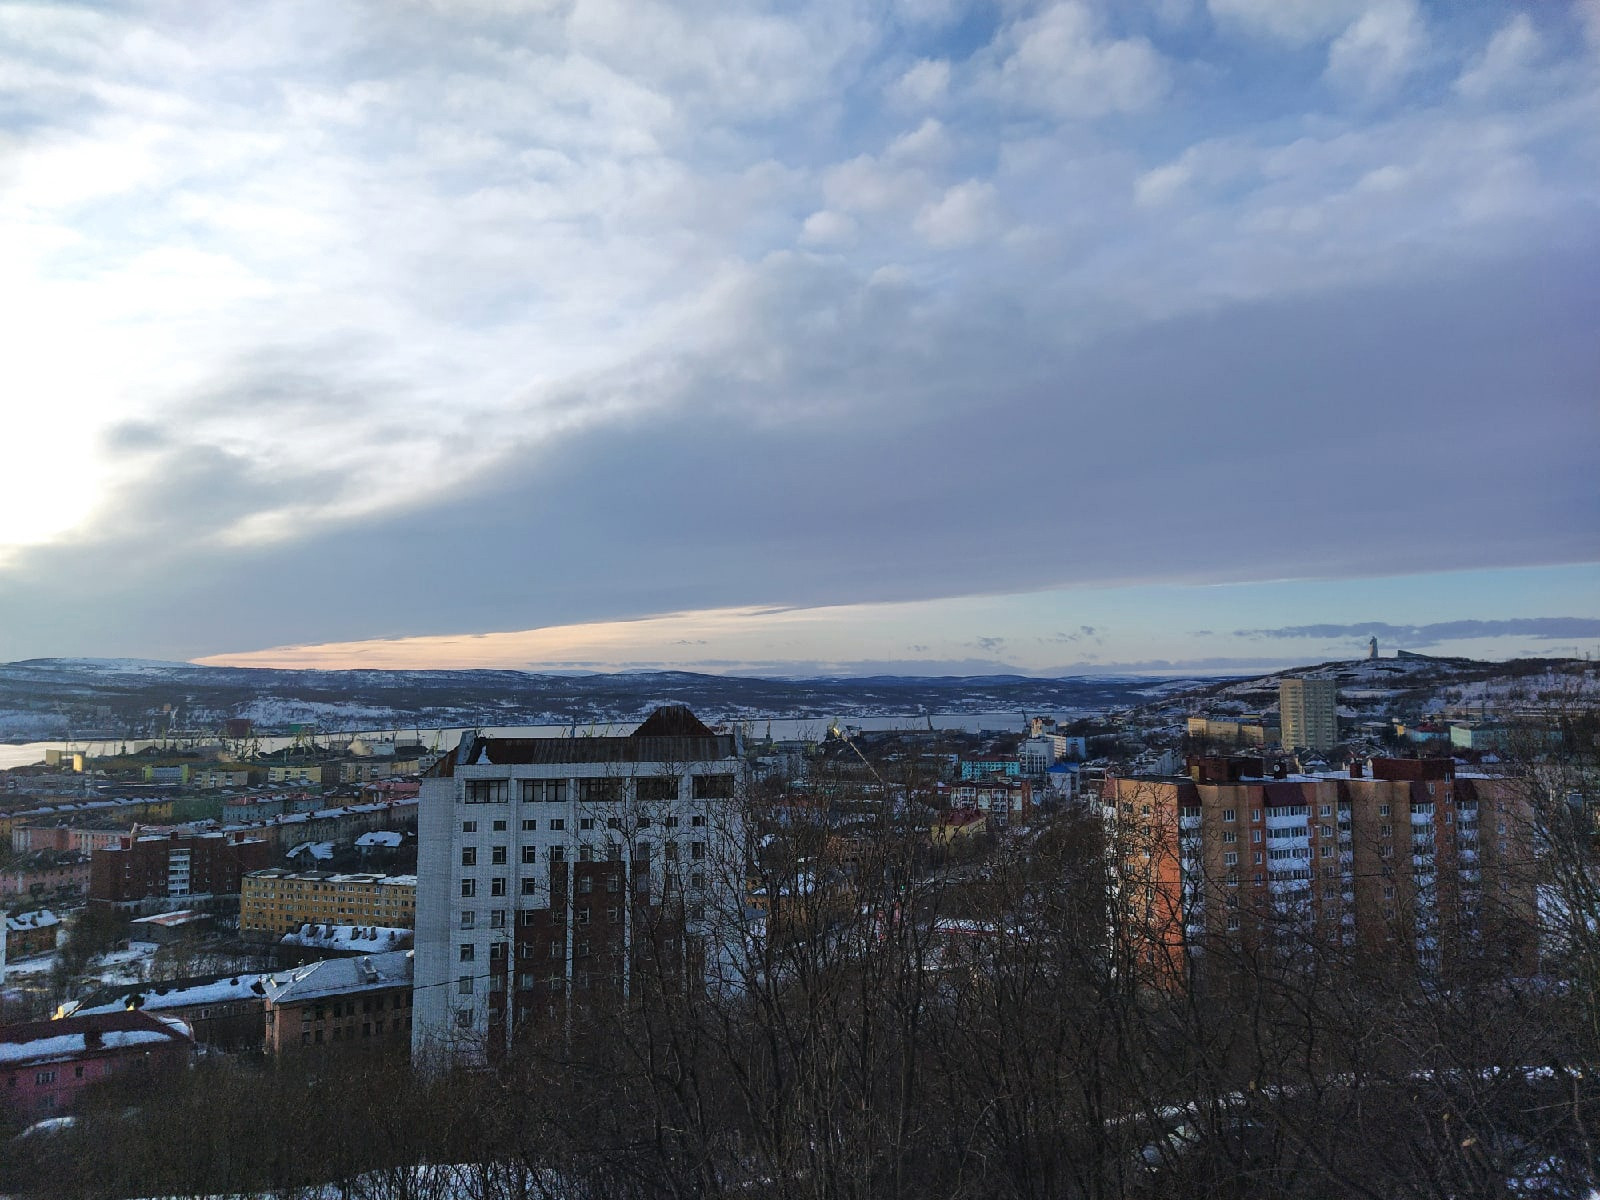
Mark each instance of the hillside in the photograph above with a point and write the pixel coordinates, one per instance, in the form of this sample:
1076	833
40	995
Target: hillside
50	698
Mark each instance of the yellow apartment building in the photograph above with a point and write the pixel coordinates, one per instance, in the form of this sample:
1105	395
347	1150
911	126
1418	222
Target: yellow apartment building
275	902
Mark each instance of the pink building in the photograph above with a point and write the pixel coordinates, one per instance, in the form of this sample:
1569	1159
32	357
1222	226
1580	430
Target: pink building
45	1065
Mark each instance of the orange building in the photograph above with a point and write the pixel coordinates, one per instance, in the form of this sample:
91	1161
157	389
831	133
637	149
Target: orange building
1409	863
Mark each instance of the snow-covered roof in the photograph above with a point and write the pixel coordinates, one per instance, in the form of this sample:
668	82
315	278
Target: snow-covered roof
380	837
72	1037
41	918
367	938
156	996
339	976
317	850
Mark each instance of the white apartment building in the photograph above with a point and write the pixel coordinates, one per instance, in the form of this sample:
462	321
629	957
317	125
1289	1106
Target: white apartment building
547	866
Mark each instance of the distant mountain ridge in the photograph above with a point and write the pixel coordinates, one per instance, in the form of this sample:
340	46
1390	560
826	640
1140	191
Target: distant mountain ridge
52	698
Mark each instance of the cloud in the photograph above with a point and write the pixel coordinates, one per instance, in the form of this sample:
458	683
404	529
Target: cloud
617	310
923	84
1296	22
1059	62
1505	61
1414	636
1379	49
963	214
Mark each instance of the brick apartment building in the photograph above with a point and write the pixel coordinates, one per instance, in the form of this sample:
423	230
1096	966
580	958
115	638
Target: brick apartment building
1399	866
356	1002
173	867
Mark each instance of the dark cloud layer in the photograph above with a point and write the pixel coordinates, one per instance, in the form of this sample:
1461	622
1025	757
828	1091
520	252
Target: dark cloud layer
1379	429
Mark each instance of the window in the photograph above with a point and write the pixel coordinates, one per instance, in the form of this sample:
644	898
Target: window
497	856
585	823
530	855
697	880
613	822
599	791
698	820
464	985
613	851
557	824
1327	852
469	888
468	918
467	952
469	856
654	789
1229	814
1255	814
497	886
544	791
529	825
585	886
1325	810
469	827
498	827
497	919
1230	836
497	952
1233	920
1257	878
530	887
558	854
581	950
1383	810
527	914
1255	835
583	916
43	1077
1257	857
1327	831
697	850
487	791
464	1015
1231	858
713	787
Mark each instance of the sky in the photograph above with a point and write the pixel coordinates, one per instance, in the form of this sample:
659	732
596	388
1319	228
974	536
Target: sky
907	335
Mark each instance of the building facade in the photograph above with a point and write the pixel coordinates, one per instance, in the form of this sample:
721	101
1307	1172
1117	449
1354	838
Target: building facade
173	867
354	1002
1308	712
274	902
45	1065
547	864
1406	865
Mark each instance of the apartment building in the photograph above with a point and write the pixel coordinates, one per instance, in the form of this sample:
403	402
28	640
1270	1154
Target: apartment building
548	865
363	1002
1308	712
173	867
1402	865
274	902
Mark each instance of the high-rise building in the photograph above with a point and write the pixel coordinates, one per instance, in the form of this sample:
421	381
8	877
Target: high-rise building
1401	866
547	867
1308	712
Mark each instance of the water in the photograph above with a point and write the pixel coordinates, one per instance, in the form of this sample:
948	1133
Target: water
783	729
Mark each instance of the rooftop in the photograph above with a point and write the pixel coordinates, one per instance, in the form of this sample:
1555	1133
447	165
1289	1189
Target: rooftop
73	1037
339	977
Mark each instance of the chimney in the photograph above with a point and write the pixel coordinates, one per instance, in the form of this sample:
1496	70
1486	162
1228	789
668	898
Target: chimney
1357	767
